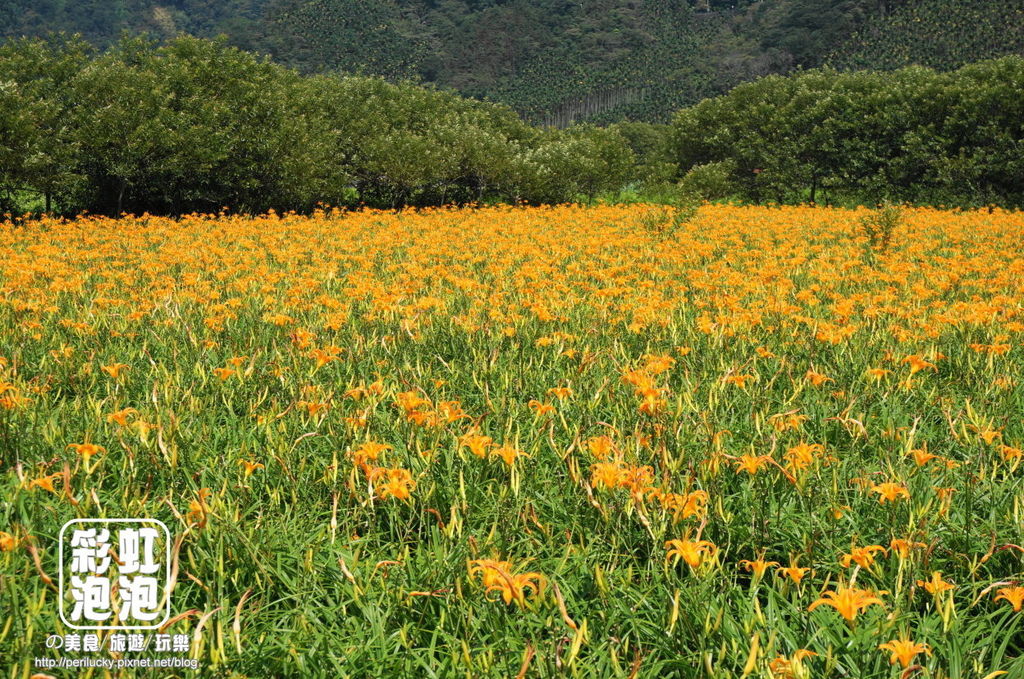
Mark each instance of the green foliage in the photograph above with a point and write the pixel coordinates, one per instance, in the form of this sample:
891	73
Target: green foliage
197	125
913	135
557	62
880	226
710	181
941	34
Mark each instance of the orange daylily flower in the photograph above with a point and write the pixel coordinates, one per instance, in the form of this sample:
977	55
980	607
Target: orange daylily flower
904	651
917	364
115	370
121	416
890	491
561	393
816	378
539	408
903	547
792	667
848	601
498	576
398	483
477	443
1009	453
793	571
803	454
601	447
1013	595
877	373
750	463
224	373
87	450
45	482
692	552
250	467
758	566
863	556
198	509
936	585
508	454
368	451
922	456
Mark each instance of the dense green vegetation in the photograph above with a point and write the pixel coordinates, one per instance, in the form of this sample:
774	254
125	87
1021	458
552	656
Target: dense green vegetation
559	61
198	125
941	34
911	135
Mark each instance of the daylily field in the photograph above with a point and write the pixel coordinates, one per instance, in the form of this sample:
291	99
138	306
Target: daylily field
530	442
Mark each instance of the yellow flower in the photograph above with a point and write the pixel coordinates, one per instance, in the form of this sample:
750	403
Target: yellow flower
690	551
890	491
758	566
477	443
793	571
849	601
45	482
904	651
903	547
223	373
1014	595
121	416
508	454
398	483
87	450
497	576
863	556
936	585
114	370
7	542
250	467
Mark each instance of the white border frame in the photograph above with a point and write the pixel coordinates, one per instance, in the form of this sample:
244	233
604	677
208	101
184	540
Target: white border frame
167	573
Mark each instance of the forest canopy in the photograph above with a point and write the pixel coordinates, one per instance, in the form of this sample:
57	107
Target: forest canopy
198	125
560	61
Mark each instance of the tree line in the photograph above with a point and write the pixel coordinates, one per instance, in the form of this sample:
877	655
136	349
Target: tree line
198	125
910	135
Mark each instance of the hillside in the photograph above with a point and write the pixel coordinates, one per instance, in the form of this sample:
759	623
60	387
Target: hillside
941	34
557	61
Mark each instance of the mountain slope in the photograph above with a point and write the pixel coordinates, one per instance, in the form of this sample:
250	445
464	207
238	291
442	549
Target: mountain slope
559	61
